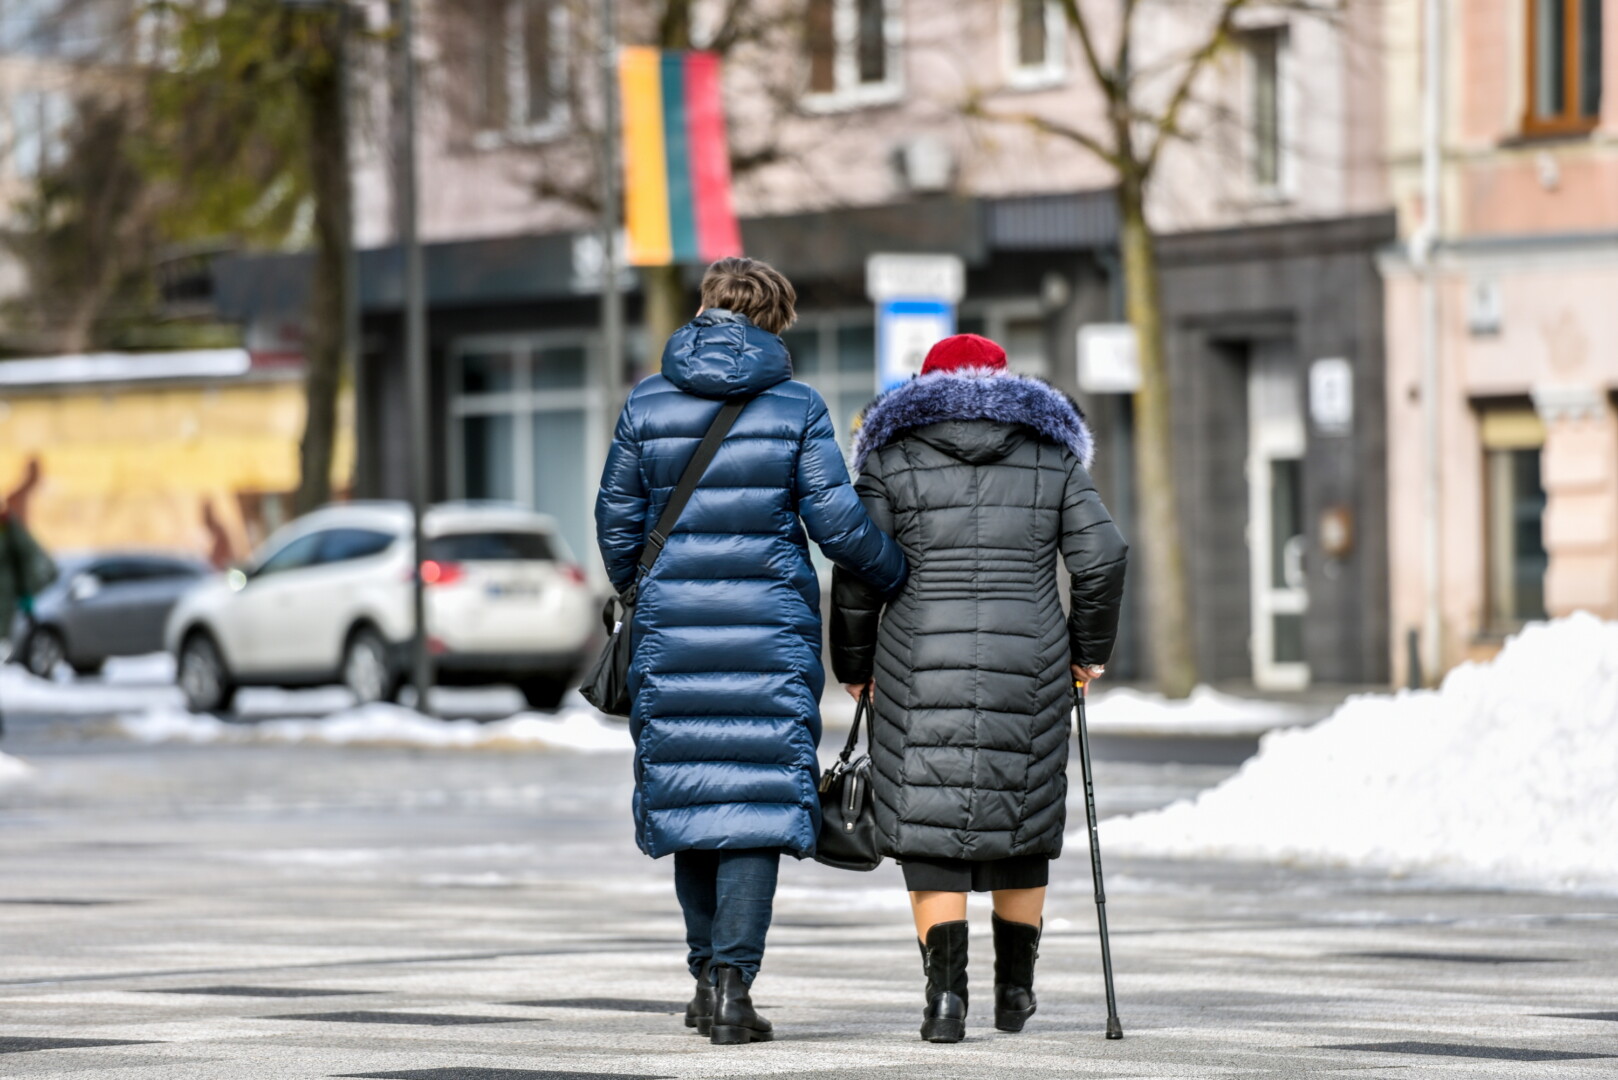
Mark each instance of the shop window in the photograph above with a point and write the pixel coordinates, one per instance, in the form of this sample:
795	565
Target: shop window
1514	505
1034	42
513	68
1564	66
852	52
838	359
1265	57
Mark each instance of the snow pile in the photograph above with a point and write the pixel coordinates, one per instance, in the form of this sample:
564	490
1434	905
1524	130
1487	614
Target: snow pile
583	730
1206	712
1506	775
13	771
22	692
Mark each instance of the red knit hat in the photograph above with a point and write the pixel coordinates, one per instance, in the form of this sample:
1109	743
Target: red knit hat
964	351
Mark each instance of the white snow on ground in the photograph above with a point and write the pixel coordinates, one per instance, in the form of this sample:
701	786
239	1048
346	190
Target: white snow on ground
1507	775
22	692
579	729
1127	711
13	771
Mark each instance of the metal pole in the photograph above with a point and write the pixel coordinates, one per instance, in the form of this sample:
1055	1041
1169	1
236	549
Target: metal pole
359	481
1115	1030
1427	251
421	666
612	300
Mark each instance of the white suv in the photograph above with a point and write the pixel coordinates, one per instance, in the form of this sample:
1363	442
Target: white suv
328	599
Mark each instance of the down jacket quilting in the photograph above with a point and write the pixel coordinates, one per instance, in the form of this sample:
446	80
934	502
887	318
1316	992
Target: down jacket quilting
727	673
983	480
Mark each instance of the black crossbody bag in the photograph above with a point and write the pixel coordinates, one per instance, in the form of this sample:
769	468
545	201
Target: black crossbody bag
606	684
847	820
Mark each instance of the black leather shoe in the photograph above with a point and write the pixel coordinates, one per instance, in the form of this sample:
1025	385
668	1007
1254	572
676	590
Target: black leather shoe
699	1013
943	957
1016	947
734	1018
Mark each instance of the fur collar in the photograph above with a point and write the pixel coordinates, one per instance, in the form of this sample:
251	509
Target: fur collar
975	395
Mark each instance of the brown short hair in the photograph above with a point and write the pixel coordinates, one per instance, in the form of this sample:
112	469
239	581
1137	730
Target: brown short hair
752	288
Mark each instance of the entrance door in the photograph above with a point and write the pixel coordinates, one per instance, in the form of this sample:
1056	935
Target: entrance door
1275	516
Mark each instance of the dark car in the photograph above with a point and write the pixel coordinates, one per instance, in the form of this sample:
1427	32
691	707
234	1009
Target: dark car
100	606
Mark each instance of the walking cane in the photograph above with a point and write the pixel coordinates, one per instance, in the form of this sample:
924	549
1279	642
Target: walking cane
1115	1030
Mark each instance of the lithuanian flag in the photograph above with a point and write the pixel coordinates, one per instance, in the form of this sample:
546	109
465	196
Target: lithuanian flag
676	159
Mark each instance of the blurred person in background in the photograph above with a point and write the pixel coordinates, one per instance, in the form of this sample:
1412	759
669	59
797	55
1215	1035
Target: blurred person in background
982	476
24	570
727	674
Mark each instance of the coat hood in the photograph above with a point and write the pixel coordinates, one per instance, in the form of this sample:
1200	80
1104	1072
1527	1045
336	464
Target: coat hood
1015	404
721	355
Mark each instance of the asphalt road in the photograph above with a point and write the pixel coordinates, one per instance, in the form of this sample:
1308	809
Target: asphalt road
258	911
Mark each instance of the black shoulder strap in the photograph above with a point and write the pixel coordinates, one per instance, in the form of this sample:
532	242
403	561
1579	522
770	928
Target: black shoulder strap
688	481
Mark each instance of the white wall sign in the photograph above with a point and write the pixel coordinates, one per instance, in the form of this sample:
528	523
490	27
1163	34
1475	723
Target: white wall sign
915	277
1331	395
1109	359
1483	306
905	330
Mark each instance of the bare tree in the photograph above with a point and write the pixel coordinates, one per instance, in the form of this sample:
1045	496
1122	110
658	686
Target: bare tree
1143	111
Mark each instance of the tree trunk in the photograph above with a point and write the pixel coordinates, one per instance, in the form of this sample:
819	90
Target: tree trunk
1167	599
328	155
667	308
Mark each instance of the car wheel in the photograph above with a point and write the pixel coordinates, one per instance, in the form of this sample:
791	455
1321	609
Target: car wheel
203	676
366	670
543	692
86	669
45	652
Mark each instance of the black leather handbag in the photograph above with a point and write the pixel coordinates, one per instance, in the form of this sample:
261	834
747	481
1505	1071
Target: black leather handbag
847	821
606	684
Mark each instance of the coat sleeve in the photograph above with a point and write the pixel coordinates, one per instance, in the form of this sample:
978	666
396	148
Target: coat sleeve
856	606
1096	555
622	503
832	513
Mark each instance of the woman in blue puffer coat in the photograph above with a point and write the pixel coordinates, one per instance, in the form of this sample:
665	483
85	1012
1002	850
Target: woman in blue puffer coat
727	673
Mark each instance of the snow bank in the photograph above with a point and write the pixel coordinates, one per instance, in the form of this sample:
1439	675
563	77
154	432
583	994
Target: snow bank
583	730
13	771
1506	775
1206	712
22	692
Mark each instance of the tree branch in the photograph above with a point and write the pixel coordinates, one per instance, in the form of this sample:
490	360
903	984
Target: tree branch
1168	124
1046	126
1104	79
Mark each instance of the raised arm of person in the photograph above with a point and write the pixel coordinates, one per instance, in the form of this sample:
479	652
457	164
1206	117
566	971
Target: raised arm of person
1096	555
856	606
621	504
832	513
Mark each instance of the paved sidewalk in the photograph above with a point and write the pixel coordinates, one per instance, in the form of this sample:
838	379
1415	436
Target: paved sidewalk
267	912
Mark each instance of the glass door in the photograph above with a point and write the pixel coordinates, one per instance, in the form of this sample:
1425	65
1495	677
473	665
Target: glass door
1276	525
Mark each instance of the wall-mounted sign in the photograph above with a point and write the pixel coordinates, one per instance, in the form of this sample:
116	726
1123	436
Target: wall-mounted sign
1483	306
915	299
1109	359
1331	395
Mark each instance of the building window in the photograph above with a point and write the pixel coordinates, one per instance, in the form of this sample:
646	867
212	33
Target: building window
1265	52
40	120
1514	505
1564	66
1034	37
514	65
838	358
853	52
59	29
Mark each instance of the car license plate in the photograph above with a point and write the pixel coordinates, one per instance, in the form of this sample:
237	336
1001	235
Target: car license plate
512	591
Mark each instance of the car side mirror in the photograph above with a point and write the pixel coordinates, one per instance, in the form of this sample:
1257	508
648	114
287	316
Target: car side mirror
84	587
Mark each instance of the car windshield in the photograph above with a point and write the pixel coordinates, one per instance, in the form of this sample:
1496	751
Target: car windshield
503	546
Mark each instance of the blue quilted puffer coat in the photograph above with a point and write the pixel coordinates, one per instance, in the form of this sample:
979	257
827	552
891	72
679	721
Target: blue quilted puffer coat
727	674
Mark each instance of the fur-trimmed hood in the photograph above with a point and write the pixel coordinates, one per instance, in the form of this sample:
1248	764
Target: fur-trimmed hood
975	395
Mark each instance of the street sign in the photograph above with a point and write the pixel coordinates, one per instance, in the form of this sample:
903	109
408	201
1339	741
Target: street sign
1331	395
1109	361
905	330
915	298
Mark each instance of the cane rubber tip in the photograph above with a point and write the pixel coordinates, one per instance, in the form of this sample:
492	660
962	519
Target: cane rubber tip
1115	1030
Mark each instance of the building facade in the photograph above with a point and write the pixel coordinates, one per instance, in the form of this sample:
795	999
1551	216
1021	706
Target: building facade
1526	270
868	126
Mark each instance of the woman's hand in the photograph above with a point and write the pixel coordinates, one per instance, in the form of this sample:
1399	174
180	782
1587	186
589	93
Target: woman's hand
1088	674
856	689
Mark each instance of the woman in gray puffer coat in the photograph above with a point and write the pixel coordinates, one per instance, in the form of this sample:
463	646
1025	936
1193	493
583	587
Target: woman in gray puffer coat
982	477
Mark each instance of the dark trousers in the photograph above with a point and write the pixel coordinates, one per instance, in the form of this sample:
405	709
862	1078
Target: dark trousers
727	897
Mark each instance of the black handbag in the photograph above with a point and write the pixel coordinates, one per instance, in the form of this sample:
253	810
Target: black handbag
606	684
847	821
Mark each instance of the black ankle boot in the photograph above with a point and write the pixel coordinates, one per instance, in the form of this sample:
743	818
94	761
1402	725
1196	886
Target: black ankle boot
699	1013
1016	947
734	1018
943	956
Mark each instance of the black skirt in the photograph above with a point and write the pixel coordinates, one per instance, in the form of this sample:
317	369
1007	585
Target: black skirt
959	875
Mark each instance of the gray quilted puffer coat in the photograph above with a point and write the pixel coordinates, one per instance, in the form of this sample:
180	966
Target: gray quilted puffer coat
983	480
